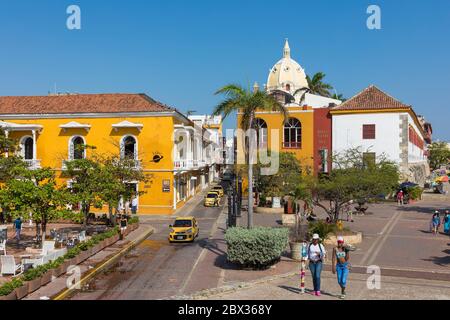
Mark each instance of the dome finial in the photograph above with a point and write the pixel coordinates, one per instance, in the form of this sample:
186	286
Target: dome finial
287	50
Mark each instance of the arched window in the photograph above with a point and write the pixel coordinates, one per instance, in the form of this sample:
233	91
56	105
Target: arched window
27	147
292	134
288	87
129	148
261	132
77	148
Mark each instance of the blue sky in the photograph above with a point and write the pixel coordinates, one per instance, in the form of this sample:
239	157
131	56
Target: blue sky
180	52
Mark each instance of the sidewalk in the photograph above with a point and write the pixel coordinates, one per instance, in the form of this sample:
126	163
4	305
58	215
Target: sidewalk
392	288
95	263
412	253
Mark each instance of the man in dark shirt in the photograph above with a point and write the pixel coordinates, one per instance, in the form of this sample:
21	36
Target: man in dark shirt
18	227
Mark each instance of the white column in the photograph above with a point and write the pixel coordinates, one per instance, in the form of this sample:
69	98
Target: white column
6	135
174	193
34	145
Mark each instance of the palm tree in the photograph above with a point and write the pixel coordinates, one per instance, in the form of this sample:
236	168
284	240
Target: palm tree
339	97
317	86
239	99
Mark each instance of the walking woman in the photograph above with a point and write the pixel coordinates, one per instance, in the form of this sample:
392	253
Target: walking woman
435	222
446	222
316	254
340	264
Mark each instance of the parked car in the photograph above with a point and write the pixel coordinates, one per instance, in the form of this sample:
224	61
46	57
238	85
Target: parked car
219	189
212	199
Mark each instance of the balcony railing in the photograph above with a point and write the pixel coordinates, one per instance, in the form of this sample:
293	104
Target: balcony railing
135	164
292	145
33	164
189	164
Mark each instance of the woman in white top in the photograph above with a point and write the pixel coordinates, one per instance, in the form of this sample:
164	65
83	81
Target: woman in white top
316	254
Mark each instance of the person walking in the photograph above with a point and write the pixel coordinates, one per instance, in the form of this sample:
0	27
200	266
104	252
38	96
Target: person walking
348	211
134	205
18	227
316	255
340	264
400	198
435	222
446	222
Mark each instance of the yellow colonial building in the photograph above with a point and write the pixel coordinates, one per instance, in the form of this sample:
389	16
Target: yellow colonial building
178	155
307	131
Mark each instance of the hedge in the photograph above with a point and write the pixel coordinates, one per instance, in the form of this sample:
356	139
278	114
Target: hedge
256	248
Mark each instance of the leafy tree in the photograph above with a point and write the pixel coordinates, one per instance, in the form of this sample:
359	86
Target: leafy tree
285	181
439	154
86	184
248	102
351	179
115	172
36	194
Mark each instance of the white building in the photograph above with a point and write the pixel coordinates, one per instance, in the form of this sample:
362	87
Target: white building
212	135
382	125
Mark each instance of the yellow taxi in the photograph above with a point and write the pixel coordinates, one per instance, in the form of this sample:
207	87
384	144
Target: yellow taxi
185	229
212	199
218	189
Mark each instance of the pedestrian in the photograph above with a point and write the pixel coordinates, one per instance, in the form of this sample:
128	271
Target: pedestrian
348	210
134	204
18	227
127	207
400	198
446	222
340	264
435	222
120	206
123	226
316	254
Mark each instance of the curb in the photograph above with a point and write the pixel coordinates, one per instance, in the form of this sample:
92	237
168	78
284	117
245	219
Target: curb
105	264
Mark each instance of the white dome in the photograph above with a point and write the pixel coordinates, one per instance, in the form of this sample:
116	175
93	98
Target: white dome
287	75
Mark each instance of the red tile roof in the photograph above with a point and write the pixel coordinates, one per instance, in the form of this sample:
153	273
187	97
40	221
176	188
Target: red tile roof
81	103
372	98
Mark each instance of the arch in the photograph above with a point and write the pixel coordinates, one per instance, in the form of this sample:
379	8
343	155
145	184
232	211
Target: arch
292	134
76	148
260	125
128	147
27	148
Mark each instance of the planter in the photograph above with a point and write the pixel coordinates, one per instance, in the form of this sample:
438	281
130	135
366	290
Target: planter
9	297
354	238
98	247
57	272
21	292
33	285
296	250
46	278
115	238
65	265
288	219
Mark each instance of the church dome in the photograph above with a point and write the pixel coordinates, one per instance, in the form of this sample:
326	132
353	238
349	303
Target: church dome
287	75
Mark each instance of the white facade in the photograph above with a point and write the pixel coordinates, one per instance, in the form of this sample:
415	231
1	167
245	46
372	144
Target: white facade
389	135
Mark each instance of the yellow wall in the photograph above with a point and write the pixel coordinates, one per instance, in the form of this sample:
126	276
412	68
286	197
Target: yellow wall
274	120
155	138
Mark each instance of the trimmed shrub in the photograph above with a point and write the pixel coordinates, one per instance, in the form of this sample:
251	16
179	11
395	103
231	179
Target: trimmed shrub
6	288
256	248
33	274
133	220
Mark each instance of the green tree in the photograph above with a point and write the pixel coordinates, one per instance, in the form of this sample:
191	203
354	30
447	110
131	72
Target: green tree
285	181
115	172
352	179
86	184
318	86
339	97
246	101
36	193
439	154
